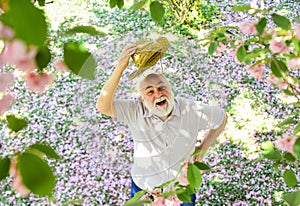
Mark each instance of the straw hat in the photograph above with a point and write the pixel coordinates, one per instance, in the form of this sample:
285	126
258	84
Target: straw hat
147	54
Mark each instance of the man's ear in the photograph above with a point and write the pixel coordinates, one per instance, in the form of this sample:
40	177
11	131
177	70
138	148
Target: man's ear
141	98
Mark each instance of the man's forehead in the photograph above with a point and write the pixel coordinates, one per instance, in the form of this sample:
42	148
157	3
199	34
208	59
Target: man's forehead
152	81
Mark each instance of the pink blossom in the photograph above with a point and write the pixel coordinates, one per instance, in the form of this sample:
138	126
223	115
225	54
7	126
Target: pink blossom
6	81
17	183
60	65
282	85
286	143
278	46
19	186
17	53
238	43
159	201
27	65
156	192
183	180
278	82
248	28
221	47
297	32
293	63
6	32
172	201
185	168
232	52
257	71
13	167
38	82
273	79
6	102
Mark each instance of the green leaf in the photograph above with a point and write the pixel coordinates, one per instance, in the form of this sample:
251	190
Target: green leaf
157	11
79	60
241	53
288	156
169	194
288	92
297	129
267	146
287	121
16	124
202	166
260	27
28	22
45	149
137	202
275	167
138	5
296	45
43	57
37	176
278	68
137	196
212	48
194	176
273	155
241	8
292	198
296	104
297	148
113	3
120	4
197	152
281	21
4	168
84	29
252	55
41	2
290	178
184	197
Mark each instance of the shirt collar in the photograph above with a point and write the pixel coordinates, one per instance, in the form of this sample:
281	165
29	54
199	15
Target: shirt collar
175	111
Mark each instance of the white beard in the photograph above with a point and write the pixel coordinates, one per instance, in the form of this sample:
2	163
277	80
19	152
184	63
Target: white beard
161	111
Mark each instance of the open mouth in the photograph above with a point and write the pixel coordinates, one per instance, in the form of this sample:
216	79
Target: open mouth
161	103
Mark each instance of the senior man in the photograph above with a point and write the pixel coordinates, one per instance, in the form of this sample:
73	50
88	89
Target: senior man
164	129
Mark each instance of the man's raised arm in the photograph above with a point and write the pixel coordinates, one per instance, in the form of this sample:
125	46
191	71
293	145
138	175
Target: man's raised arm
105	103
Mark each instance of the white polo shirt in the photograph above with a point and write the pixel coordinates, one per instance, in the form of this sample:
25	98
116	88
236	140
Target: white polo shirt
161	146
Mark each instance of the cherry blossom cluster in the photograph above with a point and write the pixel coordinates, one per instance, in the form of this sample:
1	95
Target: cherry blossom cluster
17	54
20	58
160	200
157	196
277	45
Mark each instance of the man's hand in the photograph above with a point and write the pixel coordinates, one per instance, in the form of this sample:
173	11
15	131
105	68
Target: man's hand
125	56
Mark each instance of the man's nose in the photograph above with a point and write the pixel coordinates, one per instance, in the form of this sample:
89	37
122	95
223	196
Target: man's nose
157	93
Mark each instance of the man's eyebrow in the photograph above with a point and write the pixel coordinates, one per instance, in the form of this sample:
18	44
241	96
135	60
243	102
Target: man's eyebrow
150	86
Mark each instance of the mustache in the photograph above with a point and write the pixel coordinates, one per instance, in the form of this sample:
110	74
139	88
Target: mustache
160	99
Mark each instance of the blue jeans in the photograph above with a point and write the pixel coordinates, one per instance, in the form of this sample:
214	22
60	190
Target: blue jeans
134	189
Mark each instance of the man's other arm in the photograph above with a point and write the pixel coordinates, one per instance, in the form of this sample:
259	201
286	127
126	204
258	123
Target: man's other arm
209	139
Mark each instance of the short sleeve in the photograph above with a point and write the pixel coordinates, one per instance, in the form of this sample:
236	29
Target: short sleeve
210	117
126	110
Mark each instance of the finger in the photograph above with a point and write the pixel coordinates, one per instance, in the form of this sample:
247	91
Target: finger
130	51
130	47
